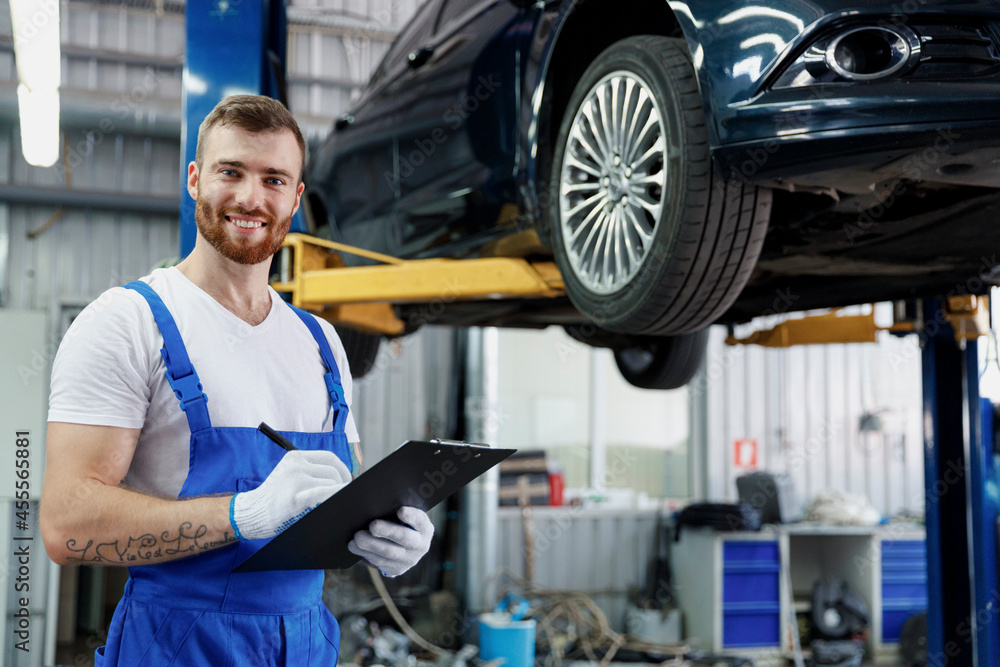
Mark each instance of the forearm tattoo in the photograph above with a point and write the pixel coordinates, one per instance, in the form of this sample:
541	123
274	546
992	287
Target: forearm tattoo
137	550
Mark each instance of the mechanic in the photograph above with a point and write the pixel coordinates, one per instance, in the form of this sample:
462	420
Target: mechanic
153	460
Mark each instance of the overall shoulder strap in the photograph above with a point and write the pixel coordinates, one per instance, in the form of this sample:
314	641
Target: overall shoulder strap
180	373
332	377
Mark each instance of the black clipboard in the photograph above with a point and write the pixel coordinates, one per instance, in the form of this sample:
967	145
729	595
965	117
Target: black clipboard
417	474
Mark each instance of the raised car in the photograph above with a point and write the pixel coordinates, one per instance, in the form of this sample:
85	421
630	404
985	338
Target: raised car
685	163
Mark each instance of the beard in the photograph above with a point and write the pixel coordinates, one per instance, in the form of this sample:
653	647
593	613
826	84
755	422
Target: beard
212	225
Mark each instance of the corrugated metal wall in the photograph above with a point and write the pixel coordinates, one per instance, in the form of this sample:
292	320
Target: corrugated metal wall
121	110
407	395
844	417
603	553
333	46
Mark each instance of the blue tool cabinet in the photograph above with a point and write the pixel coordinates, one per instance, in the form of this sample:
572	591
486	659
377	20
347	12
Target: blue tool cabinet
737	590
904	584
729	589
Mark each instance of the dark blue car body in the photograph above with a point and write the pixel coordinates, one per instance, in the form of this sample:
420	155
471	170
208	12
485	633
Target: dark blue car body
882	189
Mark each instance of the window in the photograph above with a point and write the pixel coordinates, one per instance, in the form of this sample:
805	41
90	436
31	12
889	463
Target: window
568	399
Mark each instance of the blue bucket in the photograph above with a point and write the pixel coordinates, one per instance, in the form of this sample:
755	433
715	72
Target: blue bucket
501	637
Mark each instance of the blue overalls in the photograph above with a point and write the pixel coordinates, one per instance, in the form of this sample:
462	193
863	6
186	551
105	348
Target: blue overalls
194	611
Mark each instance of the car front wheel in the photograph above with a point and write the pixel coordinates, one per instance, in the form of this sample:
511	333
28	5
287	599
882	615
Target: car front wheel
649	237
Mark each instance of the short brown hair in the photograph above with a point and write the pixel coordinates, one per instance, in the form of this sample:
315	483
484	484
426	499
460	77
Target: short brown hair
253	113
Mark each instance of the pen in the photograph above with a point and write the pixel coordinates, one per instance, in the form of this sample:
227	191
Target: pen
279	439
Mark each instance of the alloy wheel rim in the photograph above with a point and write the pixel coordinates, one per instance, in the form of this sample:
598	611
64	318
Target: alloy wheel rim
612	182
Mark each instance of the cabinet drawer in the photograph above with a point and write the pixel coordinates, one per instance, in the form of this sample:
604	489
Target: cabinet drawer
758	585
756	551
749	625
899	586
903	551
750	572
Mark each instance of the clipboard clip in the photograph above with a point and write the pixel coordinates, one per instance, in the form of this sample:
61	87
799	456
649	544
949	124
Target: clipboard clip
441	441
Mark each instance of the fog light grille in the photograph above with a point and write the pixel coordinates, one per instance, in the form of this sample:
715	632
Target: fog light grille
949	51
917	50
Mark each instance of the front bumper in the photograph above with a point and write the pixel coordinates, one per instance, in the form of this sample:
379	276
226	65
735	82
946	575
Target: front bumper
854	160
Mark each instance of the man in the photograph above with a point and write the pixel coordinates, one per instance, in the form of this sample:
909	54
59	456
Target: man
153	459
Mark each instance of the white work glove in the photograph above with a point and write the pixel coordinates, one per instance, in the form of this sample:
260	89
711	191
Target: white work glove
301	481
393	548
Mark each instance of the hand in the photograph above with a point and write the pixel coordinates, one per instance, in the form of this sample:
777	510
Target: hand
393	548
301	481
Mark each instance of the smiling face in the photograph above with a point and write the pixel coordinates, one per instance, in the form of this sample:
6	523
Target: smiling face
247	189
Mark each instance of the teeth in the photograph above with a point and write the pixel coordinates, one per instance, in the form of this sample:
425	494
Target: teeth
246	224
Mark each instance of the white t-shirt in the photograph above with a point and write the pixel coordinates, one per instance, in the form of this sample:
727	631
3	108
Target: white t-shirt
109	372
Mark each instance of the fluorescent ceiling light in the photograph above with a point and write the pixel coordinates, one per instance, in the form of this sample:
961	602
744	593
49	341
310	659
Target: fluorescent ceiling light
39	125
36	50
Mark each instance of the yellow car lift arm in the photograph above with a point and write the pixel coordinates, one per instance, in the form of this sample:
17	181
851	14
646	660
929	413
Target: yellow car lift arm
315	275
968	315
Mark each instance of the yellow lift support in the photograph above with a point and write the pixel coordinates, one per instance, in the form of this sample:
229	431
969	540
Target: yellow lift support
968	315
313	272
315	275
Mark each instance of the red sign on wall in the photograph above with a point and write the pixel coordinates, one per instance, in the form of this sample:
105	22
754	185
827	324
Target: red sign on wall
745	453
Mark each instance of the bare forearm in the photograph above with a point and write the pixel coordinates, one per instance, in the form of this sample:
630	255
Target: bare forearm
109	525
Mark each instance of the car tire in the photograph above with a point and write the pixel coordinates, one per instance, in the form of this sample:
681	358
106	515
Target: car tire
668	362
667	243
361	349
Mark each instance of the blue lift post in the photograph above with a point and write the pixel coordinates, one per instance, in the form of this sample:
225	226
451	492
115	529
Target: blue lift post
233	47
985	473
962	502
